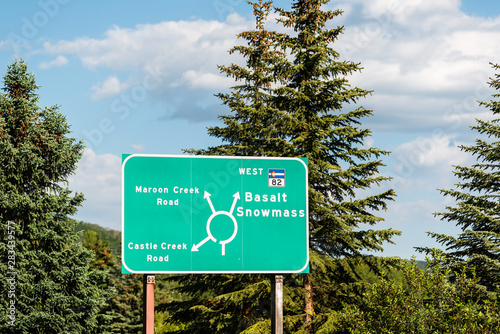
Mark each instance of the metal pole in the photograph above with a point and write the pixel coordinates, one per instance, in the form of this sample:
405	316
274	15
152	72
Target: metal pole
148	304
277	304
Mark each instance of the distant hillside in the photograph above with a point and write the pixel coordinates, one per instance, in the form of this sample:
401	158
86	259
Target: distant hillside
114	237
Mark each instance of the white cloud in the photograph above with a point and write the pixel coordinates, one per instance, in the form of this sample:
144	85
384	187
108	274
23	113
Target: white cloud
138	148
423	58
197	79
185	52
5	45
175	45
400	10
368	142
58	62
98	177
423	165
431	152
426	54
414	218
422	46
111	86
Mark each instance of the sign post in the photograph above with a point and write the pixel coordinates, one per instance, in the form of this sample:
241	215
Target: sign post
277	304
148	303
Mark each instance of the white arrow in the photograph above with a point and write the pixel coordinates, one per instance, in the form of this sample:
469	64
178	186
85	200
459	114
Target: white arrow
195	247
207	197
236	198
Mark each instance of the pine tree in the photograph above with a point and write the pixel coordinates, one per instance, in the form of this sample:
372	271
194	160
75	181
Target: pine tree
317	95
47	282
293	102
307	117
121	312
231	303
102	259
477	210
124	303
254	129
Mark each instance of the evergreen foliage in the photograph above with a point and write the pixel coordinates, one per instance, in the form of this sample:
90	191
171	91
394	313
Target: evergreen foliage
107	235
219	303
477	210
47	282
121	312
291	100
425	302
102	258
123	307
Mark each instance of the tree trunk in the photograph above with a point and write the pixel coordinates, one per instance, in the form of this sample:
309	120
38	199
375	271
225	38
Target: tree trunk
309	308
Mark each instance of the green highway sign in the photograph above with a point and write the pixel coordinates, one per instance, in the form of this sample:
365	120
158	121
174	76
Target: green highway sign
212	214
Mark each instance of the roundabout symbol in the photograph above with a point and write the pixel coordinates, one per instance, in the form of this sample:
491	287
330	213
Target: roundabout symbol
229	214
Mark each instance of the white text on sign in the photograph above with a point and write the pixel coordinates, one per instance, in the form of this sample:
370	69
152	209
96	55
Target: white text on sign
251	171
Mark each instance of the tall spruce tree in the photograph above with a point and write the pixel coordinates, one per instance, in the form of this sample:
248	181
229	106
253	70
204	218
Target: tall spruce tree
293	102
232	303
323	129
477	210
46	285
103	258
123	308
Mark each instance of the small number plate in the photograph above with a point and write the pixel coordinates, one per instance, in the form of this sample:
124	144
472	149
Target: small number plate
276	177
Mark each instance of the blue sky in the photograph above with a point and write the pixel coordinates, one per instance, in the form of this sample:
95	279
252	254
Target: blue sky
141	76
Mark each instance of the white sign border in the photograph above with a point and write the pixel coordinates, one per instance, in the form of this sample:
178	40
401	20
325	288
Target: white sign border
214	271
